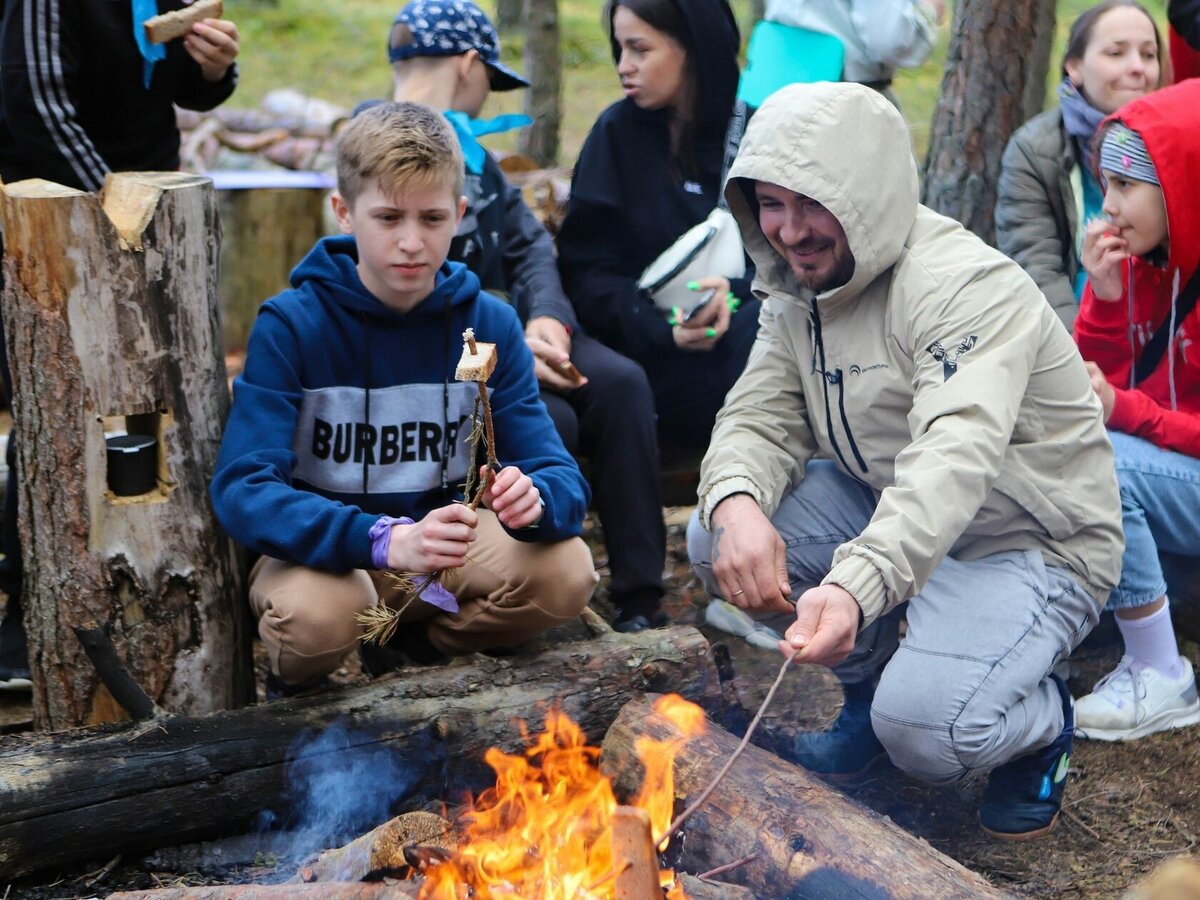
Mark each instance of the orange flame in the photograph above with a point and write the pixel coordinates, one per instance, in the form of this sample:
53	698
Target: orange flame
544	831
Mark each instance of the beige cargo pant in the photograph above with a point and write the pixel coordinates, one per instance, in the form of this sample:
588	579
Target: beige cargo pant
509	592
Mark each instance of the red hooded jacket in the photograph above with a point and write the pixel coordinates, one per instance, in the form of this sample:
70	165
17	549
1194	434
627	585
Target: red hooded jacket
1163	408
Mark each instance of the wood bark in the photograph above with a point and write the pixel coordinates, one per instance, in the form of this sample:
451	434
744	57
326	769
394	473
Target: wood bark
508	16
353	890
994	79
811	841
543	68
267	231
110	310
90	794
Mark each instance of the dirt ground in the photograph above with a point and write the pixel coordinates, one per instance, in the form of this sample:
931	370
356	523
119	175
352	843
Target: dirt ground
1128	806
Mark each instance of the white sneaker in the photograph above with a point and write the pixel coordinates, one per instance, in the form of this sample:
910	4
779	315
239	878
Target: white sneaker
1134	700
724	616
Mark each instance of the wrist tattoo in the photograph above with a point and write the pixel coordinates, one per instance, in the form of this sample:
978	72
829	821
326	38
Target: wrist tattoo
716	544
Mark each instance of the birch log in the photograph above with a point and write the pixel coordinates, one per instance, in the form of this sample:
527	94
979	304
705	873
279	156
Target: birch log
111	315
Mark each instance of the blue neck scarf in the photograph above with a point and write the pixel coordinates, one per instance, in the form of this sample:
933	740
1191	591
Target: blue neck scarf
470	130
151	53
1081	120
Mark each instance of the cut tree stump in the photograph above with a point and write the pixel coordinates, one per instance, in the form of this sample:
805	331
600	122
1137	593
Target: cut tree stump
811	841
111	315
90	794
267	231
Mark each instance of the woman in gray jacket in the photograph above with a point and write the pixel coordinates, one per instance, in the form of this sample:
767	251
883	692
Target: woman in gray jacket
1048	189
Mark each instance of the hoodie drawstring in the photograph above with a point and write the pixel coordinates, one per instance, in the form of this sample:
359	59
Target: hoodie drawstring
1171	339
366	469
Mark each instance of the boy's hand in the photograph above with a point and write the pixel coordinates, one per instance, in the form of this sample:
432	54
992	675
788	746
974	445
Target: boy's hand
748	556
826	626
550	344
1103	256
213	44
705	329
513	497
1104	390
438	541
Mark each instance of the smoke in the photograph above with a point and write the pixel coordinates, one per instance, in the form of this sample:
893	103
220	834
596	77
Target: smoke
340	784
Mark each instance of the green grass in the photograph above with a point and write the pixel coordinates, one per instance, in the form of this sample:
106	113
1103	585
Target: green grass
336	51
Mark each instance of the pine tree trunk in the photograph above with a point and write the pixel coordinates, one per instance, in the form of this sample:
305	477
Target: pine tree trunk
995	78
543	68
508	16
110	309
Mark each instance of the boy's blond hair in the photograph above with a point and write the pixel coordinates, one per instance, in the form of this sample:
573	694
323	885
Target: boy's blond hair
406	146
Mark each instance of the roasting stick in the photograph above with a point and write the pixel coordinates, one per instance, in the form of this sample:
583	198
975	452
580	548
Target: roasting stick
699	801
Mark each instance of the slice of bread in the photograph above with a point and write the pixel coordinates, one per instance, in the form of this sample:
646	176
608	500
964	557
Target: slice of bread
168	26
477	366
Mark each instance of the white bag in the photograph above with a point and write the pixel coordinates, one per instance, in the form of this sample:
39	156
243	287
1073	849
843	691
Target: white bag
714	247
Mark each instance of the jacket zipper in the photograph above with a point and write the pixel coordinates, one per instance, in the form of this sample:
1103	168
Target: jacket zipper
836	376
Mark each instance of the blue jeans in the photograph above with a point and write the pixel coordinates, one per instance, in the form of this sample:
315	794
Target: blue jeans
968	687
1160	511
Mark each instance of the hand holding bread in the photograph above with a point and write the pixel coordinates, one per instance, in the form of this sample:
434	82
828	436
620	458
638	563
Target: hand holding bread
210	40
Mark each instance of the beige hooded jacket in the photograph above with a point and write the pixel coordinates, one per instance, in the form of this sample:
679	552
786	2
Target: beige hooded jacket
938	375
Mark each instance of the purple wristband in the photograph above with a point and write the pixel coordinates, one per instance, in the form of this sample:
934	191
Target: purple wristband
380	534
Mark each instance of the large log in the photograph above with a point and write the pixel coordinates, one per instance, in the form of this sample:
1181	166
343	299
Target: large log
811	841
90	794
111	316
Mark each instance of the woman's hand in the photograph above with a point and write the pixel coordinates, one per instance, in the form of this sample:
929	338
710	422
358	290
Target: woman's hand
1103	255
213	44
704	330
438	541
1104	390
513	497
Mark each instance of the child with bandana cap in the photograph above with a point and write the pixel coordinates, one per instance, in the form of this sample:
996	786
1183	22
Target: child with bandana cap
1139	331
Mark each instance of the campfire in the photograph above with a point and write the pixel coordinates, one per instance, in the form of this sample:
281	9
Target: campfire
546	829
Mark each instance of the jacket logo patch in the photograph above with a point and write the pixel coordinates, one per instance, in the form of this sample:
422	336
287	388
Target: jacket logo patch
856	369
949	358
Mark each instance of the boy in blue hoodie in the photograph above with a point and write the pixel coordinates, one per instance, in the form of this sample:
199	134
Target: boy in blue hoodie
345	451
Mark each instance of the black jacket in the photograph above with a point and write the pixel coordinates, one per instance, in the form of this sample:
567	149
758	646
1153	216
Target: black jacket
72	102
1184	16
502	242
627	205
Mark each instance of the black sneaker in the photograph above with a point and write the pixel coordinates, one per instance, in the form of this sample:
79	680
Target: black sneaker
14	653
847	750
634	621
15	679
278	689
410	646
1023	797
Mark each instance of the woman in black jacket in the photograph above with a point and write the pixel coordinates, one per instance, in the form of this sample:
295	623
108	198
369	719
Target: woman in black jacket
650	170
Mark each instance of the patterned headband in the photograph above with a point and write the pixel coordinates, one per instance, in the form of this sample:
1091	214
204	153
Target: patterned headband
1124	153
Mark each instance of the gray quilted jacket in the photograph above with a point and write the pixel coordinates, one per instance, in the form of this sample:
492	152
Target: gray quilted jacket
1037	209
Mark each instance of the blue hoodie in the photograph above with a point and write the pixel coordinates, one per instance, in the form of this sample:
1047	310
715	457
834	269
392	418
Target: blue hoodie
348	410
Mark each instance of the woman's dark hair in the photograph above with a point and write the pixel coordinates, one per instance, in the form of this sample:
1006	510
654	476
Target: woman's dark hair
664	16
1081	32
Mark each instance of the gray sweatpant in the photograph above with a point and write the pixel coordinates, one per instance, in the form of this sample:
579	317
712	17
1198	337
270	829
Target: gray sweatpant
968	687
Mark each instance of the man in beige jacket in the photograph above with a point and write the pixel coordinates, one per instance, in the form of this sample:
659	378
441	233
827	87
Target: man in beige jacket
914	432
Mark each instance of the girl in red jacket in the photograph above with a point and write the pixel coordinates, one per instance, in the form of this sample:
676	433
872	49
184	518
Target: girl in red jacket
1139	330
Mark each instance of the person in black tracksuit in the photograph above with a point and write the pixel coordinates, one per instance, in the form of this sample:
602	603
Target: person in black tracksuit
450	61
78	99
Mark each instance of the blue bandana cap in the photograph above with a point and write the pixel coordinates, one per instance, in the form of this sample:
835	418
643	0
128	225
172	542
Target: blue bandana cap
1124	153
450	28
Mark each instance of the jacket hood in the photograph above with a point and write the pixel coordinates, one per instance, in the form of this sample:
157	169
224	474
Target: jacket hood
715	42
331	269
844	146
1166	121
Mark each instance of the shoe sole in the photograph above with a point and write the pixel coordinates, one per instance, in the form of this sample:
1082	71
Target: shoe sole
1167	722
16	686
1016	838
848	778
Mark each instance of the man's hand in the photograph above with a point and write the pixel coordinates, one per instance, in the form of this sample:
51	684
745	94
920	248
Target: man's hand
705	329
1104	390
1103	255
748	556
827	619
513	497
213	44
438	541
550	344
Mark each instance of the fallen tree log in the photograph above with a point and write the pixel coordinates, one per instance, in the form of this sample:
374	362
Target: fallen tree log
352	890
89	794
810	840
